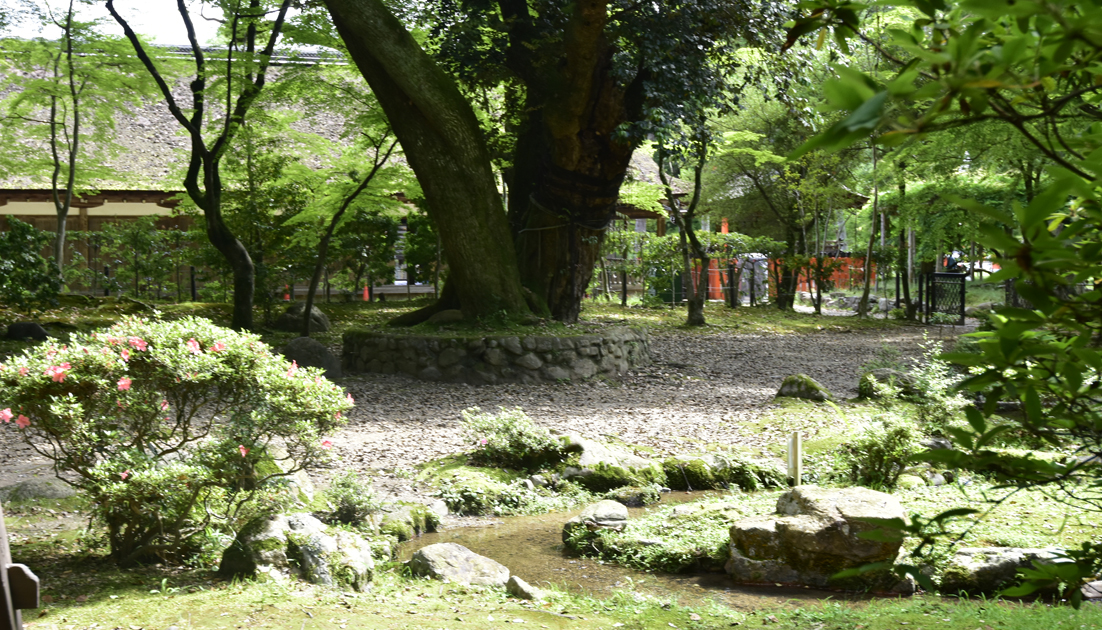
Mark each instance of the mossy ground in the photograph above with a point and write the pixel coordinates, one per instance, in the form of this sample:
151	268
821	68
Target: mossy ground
83	313
82	590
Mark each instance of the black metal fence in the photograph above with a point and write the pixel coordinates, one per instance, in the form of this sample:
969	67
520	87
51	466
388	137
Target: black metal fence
944	293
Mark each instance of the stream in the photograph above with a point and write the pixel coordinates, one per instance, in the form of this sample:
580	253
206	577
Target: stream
531	547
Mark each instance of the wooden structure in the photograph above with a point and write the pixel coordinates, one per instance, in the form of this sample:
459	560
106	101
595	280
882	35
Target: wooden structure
18	586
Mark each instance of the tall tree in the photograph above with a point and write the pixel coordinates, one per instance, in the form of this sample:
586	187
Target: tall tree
443	143
241	75
64	98
589	79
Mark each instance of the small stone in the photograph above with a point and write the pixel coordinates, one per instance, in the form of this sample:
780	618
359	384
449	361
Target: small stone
529	362
439	507
522	590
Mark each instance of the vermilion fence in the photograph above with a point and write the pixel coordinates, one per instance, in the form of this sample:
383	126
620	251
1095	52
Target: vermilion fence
851	273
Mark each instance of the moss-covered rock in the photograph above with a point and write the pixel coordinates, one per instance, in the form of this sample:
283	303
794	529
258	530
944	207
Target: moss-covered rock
299	545
986	571
406	521
634	496
683	473
803	386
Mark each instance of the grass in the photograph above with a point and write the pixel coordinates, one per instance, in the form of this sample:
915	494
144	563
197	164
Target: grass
83	313
82	590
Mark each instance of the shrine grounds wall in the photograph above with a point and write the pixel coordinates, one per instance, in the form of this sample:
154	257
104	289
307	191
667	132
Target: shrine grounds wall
490	360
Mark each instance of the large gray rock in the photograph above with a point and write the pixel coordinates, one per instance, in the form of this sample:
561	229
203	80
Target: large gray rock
291	319
803	386
309	352
21	331
815	535
299	545
987	570
37	488
456	563
606	514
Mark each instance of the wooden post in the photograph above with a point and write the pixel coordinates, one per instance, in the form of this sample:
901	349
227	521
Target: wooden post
18	586
795	458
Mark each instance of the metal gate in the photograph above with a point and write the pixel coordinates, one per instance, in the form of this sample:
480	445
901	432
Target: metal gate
945	294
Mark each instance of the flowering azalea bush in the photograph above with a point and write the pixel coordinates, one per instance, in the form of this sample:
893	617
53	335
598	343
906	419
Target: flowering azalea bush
166	425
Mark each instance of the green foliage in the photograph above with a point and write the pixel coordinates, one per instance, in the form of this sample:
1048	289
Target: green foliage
420	251
142	256
163	425
936	384
878	457
26	278
351	498
509	439
1031	64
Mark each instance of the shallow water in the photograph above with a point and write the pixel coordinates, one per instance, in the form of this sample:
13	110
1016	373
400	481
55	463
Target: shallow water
531	547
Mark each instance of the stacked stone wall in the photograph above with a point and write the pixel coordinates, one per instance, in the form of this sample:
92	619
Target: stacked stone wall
489	360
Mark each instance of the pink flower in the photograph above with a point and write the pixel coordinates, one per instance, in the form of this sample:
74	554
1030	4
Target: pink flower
23	371
124	474
125	354
217	346
337	415
105	351
326	444
23	421
193	346
57	372
482	442
244	451
291	370
124	384
6	414
350	399
138	343
164	405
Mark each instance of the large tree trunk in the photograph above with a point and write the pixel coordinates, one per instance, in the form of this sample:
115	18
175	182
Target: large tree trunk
445	148
569	163
563	196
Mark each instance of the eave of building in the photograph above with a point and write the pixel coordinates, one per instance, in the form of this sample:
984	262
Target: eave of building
39	201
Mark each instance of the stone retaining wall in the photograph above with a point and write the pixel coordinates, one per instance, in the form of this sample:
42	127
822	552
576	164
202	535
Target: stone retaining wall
488	360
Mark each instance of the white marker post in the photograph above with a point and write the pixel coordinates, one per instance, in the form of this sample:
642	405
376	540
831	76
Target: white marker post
795	458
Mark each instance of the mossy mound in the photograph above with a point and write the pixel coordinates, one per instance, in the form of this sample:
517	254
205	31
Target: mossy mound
406	521
635	496
604	477
689	474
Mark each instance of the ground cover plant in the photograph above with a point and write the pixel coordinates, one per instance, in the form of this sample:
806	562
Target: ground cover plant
171	428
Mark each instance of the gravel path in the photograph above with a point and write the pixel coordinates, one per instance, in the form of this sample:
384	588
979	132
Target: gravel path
708	388
700	389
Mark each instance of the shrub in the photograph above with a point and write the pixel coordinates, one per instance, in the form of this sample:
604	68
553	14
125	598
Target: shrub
26	278
351	499
509	439
877	458
162	425
937	382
